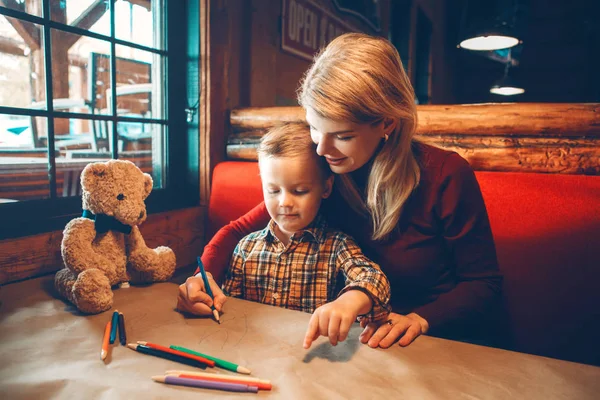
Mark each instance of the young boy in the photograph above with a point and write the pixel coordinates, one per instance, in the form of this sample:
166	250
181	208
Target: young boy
297	262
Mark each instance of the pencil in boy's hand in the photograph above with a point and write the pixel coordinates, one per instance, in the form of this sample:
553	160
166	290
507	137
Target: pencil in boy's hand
208	289
105	339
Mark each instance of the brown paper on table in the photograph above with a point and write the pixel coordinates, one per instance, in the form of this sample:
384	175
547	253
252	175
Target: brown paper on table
47	351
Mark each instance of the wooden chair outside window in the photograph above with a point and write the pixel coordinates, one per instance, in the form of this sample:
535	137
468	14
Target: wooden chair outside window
134	96
67	141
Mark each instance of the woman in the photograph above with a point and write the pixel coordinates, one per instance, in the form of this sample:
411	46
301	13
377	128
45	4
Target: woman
414	209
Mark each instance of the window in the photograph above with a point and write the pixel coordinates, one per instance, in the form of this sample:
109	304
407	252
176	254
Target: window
115	71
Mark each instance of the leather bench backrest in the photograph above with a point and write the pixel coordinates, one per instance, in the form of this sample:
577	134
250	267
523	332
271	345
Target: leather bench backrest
547	233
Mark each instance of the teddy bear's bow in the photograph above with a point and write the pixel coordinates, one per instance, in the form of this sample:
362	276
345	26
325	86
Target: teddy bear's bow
104	223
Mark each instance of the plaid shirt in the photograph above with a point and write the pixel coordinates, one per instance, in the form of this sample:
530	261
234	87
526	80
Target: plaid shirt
306	273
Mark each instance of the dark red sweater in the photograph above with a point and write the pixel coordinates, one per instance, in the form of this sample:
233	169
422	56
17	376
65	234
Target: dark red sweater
440	261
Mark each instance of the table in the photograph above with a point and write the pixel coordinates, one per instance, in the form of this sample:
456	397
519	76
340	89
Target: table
48	351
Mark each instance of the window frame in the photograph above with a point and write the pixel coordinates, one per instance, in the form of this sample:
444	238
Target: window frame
36	216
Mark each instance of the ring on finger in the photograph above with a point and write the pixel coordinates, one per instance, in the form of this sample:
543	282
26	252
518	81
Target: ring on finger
389	322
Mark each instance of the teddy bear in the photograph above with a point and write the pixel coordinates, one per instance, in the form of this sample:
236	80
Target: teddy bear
104	247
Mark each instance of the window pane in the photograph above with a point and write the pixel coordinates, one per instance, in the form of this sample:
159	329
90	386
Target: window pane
87	141
135	22
85	138
33	7
21	62
23	167
90	15
72	134
75	149
75	78
140	83
143	144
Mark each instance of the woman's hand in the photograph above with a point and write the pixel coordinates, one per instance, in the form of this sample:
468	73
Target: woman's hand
193	299
406	327
335	319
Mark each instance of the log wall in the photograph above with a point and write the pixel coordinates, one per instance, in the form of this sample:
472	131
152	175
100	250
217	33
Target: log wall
519	137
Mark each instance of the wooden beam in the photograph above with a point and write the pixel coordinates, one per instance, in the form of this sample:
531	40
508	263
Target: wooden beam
561	119
90	16
250	118
524	137
205	100
143	3
27	30
537	119
11	46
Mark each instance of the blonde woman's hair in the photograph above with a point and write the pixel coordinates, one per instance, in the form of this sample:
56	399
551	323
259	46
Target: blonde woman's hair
291	139
360	78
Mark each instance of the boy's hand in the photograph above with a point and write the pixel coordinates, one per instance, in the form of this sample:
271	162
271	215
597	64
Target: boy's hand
335	319
192	297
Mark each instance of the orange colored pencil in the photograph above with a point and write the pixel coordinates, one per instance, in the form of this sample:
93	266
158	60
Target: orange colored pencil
217	378
155	346
104	351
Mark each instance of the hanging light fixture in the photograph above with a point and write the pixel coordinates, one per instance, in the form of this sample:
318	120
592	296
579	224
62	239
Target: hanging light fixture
488	34
507	86
488	39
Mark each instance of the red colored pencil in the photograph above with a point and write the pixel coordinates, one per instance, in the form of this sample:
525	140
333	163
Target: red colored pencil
155	346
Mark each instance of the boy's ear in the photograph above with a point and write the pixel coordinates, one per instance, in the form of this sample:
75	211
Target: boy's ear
328	186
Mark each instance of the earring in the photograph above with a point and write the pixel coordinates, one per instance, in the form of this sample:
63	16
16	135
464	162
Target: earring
385	137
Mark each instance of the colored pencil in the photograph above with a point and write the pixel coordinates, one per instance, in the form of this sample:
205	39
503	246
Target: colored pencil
231	387
224	378
201	359
104	351
218	362
250	380
122	337
208	289
115	325
173	357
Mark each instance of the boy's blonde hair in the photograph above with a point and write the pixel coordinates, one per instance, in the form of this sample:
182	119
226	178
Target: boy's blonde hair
360	78
291	139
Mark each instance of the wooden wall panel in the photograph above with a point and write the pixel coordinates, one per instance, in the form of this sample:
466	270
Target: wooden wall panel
543	137
27	257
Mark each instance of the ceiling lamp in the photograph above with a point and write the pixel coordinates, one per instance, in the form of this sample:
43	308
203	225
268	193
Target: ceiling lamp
507	85
485	32
489	41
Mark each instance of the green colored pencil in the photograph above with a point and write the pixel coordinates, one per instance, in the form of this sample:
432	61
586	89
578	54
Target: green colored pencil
218	362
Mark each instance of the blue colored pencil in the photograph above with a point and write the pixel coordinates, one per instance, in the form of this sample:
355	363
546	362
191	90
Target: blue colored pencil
208	290
114	327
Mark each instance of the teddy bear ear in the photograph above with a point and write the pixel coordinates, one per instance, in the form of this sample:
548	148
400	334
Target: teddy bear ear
91	173
148	183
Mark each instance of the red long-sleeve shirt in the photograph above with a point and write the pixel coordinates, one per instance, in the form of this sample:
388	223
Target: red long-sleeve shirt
440	260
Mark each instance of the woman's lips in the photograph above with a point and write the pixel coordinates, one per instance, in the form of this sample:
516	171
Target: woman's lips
335	161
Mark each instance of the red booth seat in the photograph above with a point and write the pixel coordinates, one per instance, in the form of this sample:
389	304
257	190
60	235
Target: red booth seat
547	233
